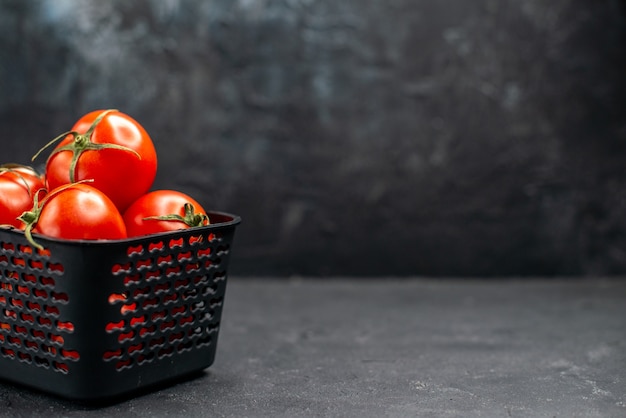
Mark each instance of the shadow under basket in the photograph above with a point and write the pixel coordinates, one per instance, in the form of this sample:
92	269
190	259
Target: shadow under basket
91	320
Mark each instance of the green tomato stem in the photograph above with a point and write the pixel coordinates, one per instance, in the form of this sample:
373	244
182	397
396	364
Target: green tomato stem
82	143
191	219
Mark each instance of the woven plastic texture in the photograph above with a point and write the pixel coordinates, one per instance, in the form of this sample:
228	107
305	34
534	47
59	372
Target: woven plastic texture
91	320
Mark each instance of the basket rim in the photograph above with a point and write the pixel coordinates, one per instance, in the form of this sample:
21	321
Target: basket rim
235	220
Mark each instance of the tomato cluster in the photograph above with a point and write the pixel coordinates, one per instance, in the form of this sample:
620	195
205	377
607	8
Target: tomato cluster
96	185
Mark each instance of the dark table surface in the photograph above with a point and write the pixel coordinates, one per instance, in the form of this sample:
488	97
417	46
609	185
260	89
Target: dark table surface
395	347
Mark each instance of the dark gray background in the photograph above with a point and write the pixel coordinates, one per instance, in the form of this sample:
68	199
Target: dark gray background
354	137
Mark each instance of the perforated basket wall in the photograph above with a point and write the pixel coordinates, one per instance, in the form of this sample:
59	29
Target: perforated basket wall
91	320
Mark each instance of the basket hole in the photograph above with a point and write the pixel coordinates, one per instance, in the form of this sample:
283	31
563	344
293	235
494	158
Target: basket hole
181	283
31	345
194	331
20	330
56	268
195	239
44	321
165	326
175	243
44	252
198	306
176	337
186	256
10	314
70	354
164	259
212	237
6	287
126	336
35	264
40	361
204	252
171	298
172	271
47	281
132	279
17	303
29	278
164	352
134	348
144	291
157	342
26	317
115	326
146	331
57	339
200	279
139	320
49	349
153	275
40	335
186	320
206	340
60	297
32	306
60	367
7	246
18	261
40	293
117	297
121	268
178	310
52	310
192	267
123	364
65	326
128	308
143	358
156	246
25	249
25	357
3	300
150	303
163	287
143	264
111	354
4	259
185	346
14	341
7	352
157	316
136	250
11	274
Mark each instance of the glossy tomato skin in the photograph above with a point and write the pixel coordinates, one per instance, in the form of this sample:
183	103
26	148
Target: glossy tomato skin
158	203
18	187
80	211
120	174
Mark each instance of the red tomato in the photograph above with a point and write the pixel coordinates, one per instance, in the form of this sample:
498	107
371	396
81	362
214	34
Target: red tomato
161	211
76	211
18	186
112	149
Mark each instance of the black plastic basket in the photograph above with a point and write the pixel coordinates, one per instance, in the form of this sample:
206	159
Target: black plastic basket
91	320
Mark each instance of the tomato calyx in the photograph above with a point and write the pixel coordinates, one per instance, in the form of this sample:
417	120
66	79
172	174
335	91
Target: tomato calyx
82	143
191	218
31	217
